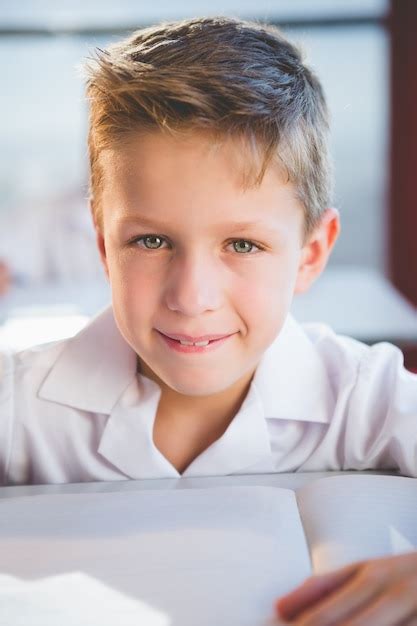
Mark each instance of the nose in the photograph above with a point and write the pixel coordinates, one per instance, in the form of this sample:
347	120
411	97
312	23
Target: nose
194	285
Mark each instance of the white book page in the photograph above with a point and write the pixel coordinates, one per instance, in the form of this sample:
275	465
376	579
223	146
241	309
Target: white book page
72	599
351	518
201	556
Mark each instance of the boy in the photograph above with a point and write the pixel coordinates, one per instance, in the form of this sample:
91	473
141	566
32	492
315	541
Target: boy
210	193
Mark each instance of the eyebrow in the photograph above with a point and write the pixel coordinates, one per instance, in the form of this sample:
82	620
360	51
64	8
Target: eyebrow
242	226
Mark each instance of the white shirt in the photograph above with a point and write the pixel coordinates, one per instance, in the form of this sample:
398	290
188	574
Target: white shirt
77	410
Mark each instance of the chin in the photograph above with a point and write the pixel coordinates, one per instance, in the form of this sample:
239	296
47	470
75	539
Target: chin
199	388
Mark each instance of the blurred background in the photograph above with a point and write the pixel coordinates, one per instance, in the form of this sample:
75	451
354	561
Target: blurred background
366	56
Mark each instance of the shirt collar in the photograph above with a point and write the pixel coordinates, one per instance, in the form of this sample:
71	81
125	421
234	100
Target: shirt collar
127	439
97	365
292	380
96	372
93	369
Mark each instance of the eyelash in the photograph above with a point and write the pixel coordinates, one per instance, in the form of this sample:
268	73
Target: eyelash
142	237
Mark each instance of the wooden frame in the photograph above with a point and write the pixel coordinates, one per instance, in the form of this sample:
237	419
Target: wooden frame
402	219
402	227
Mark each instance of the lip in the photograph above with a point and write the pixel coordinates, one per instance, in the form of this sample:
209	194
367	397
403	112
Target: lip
179	336
178	347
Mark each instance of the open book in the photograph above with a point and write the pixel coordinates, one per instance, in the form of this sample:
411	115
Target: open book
190	557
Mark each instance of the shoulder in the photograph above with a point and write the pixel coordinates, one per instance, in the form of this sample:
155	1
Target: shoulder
327	341
36	360
33	364
363	378
340	352
87	371
22	373
370	383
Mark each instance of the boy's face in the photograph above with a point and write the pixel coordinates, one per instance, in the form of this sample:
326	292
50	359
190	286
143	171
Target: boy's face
196	273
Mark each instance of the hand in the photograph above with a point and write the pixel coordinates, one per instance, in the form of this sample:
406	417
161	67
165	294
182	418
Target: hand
378	592
4	278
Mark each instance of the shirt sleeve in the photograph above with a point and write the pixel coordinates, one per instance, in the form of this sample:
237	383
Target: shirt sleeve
381	431
6	412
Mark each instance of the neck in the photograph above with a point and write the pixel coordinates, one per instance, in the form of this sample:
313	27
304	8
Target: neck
211	413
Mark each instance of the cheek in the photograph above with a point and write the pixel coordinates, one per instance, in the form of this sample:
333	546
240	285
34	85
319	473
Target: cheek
133	287
274	282
259	289
265	297
278	290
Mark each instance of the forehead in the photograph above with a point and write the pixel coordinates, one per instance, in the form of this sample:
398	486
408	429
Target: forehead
158	175
144	155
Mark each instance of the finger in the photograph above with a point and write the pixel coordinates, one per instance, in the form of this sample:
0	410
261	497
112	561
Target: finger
343	602
391	608
312	590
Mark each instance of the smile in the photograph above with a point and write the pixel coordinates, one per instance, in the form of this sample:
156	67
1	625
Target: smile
187	347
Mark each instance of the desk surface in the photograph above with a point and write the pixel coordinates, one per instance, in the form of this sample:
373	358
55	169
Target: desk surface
193	558
290	480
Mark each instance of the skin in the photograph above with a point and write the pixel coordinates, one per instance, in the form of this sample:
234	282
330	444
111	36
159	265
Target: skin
375	592
4	278
200	280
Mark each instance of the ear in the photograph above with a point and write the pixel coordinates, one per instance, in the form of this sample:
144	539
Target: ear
317	249
101	244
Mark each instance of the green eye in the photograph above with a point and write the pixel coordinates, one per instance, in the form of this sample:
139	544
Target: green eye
154	242
238	242
153	239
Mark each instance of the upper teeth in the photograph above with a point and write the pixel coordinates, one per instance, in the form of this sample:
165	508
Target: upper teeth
197	343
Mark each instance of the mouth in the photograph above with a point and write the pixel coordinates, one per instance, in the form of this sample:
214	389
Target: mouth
205	340
187	347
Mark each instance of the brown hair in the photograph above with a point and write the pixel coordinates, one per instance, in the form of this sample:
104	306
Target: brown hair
223	75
